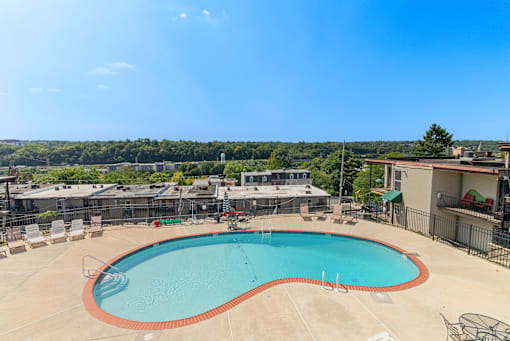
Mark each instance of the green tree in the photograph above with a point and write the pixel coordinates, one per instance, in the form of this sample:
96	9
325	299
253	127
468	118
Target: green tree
233	170
279	160
179	178
160	177
435	141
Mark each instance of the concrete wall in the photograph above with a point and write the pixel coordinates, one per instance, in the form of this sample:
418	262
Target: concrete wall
446	182
486	185
416	186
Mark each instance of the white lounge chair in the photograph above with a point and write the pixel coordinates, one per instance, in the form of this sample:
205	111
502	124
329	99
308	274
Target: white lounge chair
33	235
77	230
57	231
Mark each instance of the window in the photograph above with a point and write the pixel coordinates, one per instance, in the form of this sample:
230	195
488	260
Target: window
251	178
398	180
60	205
292	176
264	178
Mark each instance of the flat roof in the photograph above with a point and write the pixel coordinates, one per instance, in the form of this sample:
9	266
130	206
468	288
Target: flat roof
23	188
133	191
189	192
65	191
260	192
481	166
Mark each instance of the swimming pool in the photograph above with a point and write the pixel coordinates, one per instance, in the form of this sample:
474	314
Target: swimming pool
185	278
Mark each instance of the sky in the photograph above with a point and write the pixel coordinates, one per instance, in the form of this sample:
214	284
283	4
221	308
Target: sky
231	70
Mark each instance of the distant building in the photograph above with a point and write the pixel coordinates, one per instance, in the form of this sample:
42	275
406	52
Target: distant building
277	177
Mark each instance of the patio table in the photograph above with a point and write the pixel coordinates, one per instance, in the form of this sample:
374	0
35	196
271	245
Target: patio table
484	327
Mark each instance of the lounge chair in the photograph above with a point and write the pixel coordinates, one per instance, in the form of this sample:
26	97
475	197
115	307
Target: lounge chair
77	230
305	214
57	231
14	240
455	331
336	217
34	236
96	226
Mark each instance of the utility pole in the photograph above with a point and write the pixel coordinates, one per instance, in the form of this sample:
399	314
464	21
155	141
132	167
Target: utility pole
341	178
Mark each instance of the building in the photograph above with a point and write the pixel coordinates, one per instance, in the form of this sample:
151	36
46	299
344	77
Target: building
285	198
471	189
128	195
59	197
277	177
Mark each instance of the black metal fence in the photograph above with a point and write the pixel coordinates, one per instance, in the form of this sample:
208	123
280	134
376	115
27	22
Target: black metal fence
490	244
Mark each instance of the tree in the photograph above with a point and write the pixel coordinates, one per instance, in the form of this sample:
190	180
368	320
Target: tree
179	178
435	141
233	170
279	160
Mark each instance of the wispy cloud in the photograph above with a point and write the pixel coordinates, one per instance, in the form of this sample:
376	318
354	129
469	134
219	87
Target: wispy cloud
101	71
121	65
206	13
35	90
53	90
183	15
102	86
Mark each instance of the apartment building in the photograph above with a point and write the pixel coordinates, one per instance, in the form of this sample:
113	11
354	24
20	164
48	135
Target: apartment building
277	177
470	189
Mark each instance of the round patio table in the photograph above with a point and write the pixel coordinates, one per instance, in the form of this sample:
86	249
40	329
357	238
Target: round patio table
478	325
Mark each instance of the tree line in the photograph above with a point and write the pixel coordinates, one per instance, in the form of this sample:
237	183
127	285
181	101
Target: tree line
147	150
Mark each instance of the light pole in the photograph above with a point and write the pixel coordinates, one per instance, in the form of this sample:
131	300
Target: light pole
341	178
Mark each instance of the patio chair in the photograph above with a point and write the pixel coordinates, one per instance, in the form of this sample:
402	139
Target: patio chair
34	236
336	217
96	226
14	240
305	214
468	200
455	331
57	231
77	230
487	205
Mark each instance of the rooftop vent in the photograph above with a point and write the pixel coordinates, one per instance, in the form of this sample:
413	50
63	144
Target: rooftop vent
308	192
56	188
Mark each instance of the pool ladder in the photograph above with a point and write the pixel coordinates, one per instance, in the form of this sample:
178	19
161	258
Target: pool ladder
323	283
266	234
111	280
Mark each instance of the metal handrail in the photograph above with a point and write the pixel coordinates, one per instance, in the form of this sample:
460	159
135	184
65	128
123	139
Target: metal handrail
87	273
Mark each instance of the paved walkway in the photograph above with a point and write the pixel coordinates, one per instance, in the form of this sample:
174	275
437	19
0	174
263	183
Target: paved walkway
40	294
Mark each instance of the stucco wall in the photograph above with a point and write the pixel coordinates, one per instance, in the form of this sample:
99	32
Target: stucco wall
445	182
486	185
416	186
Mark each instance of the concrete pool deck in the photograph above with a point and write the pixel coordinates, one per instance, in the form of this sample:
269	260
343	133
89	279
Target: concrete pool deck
41	293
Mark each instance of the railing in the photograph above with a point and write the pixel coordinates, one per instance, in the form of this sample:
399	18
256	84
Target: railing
90	273
490	244
475	208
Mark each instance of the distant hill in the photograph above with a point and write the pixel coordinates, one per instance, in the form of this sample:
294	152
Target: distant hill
35	153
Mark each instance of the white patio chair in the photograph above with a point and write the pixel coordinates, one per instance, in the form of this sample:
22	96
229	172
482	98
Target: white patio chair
57	231
77	230
33	235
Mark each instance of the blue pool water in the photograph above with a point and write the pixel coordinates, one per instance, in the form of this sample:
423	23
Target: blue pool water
187	277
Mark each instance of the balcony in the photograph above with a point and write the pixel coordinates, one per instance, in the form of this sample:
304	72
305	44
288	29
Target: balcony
469	206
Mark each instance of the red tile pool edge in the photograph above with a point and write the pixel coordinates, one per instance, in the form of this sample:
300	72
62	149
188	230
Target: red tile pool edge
92	307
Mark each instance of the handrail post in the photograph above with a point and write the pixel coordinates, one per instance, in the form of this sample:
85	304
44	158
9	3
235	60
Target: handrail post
323	273
470	236
337	278
433	226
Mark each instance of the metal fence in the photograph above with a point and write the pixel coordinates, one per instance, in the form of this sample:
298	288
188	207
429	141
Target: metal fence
493	245
490	244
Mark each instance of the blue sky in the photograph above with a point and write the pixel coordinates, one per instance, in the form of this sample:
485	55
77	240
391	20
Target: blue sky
284	70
